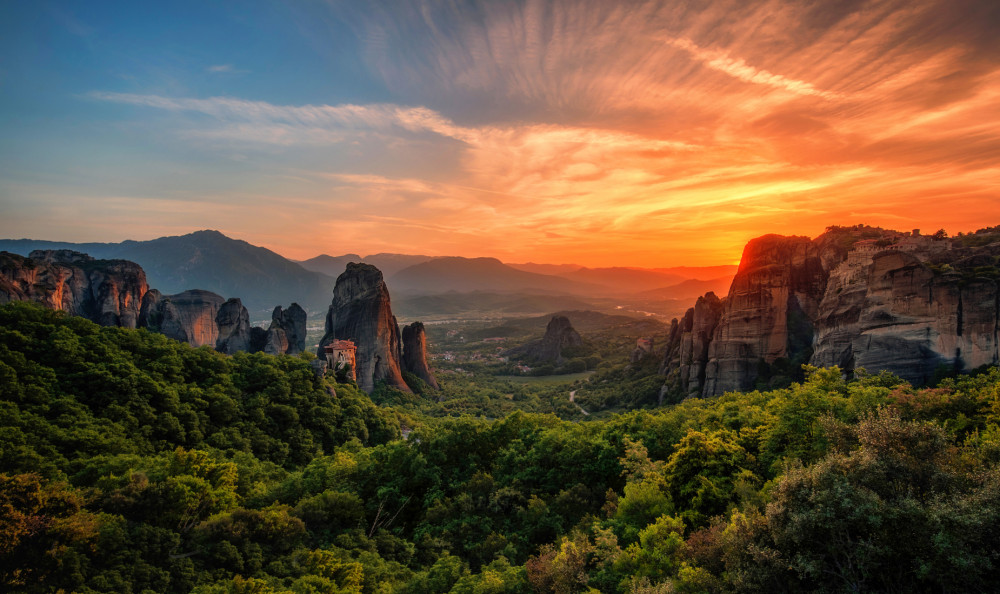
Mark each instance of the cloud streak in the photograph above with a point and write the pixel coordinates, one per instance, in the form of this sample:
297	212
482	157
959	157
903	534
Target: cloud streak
738	68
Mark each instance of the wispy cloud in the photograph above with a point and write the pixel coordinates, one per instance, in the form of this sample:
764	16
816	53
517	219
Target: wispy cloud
738	68
307	117
672	131
225	69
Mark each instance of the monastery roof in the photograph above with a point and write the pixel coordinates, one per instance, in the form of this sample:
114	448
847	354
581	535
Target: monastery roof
341	345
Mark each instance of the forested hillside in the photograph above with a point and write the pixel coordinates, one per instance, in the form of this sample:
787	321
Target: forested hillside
130	463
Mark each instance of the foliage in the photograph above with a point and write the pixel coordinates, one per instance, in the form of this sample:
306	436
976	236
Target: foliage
129	462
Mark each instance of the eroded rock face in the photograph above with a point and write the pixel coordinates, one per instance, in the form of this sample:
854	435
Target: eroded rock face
287	333
415	353
188	317
115	293
911	320
559	335
233	322
773	297
853	297
277	341
108	292
688	344
361	312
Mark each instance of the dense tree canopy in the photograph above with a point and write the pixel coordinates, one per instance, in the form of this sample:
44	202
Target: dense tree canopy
129	463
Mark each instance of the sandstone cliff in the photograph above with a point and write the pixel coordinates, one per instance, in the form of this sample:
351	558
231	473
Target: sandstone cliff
287	333
188	317
361	312
115	293
688	344
853	297
916	314
559	335
415	353
108	292
233	323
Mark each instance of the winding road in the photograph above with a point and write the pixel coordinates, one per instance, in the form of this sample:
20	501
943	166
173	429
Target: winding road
572	398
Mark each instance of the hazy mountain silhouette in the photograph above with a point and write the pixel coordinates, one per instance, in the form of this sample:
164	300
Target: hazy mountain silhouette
690	289
211	261
454	273
621	280
389	264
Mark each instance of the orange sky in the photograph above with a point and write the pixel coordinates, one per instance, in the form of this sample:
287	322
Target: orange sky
600	133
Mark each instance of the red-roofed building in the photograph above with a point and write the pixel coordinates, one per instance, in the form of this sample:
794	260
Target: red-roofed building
340	354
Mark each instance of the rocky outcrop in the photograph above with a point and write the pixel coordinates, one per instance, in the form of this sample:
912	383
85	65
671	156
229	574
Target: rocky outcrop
912	316
688	345
774	295
287	333
233	322
854	297
188	317
108	292
361	312
115	293
415	353
559	335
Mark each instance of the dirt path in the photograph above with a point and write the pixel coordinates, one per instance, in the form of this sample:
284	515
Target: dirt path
572	398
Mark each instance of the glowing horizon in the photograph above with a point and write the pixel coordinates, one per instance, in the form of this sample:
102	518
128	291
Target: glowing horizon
647	134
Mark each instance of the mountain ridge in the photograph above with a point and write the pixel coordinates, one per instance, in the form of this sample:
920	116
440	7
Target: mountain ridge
208	260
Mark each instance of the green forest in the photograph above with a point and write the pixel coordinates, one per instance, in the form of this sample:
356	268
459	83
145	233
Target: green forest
133	463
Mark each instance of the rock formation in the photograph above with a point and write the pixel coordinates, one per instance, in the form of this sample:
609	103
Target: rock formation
415	353
914	318
853	297
108	292
360	311
115	293
287	333
688	344
233	322
559	335
188	317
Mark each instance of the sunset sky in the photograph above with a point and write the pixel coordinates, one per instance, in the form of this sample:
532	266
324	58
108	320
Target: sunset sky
594	132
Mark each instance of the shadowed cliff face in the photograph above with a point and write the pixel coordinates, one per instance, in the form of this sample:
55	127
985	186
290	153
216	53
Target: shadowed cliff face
415	353
688	344
108	292
233	323
908	318
188	317
361	312
853	297
287	333
780	278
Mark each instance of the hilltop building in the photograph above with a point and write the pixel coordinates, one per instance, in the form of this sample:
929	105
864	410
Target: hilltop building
340	354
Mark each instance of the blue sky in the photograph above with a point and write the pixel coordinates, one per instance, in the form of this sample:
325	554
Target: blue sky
650	133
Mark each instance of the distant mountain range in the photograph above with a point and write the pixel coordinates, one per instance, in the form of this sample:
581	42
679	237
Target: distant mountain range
690	289
480	274
453	303
211	261
389	264
263	279
429	275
